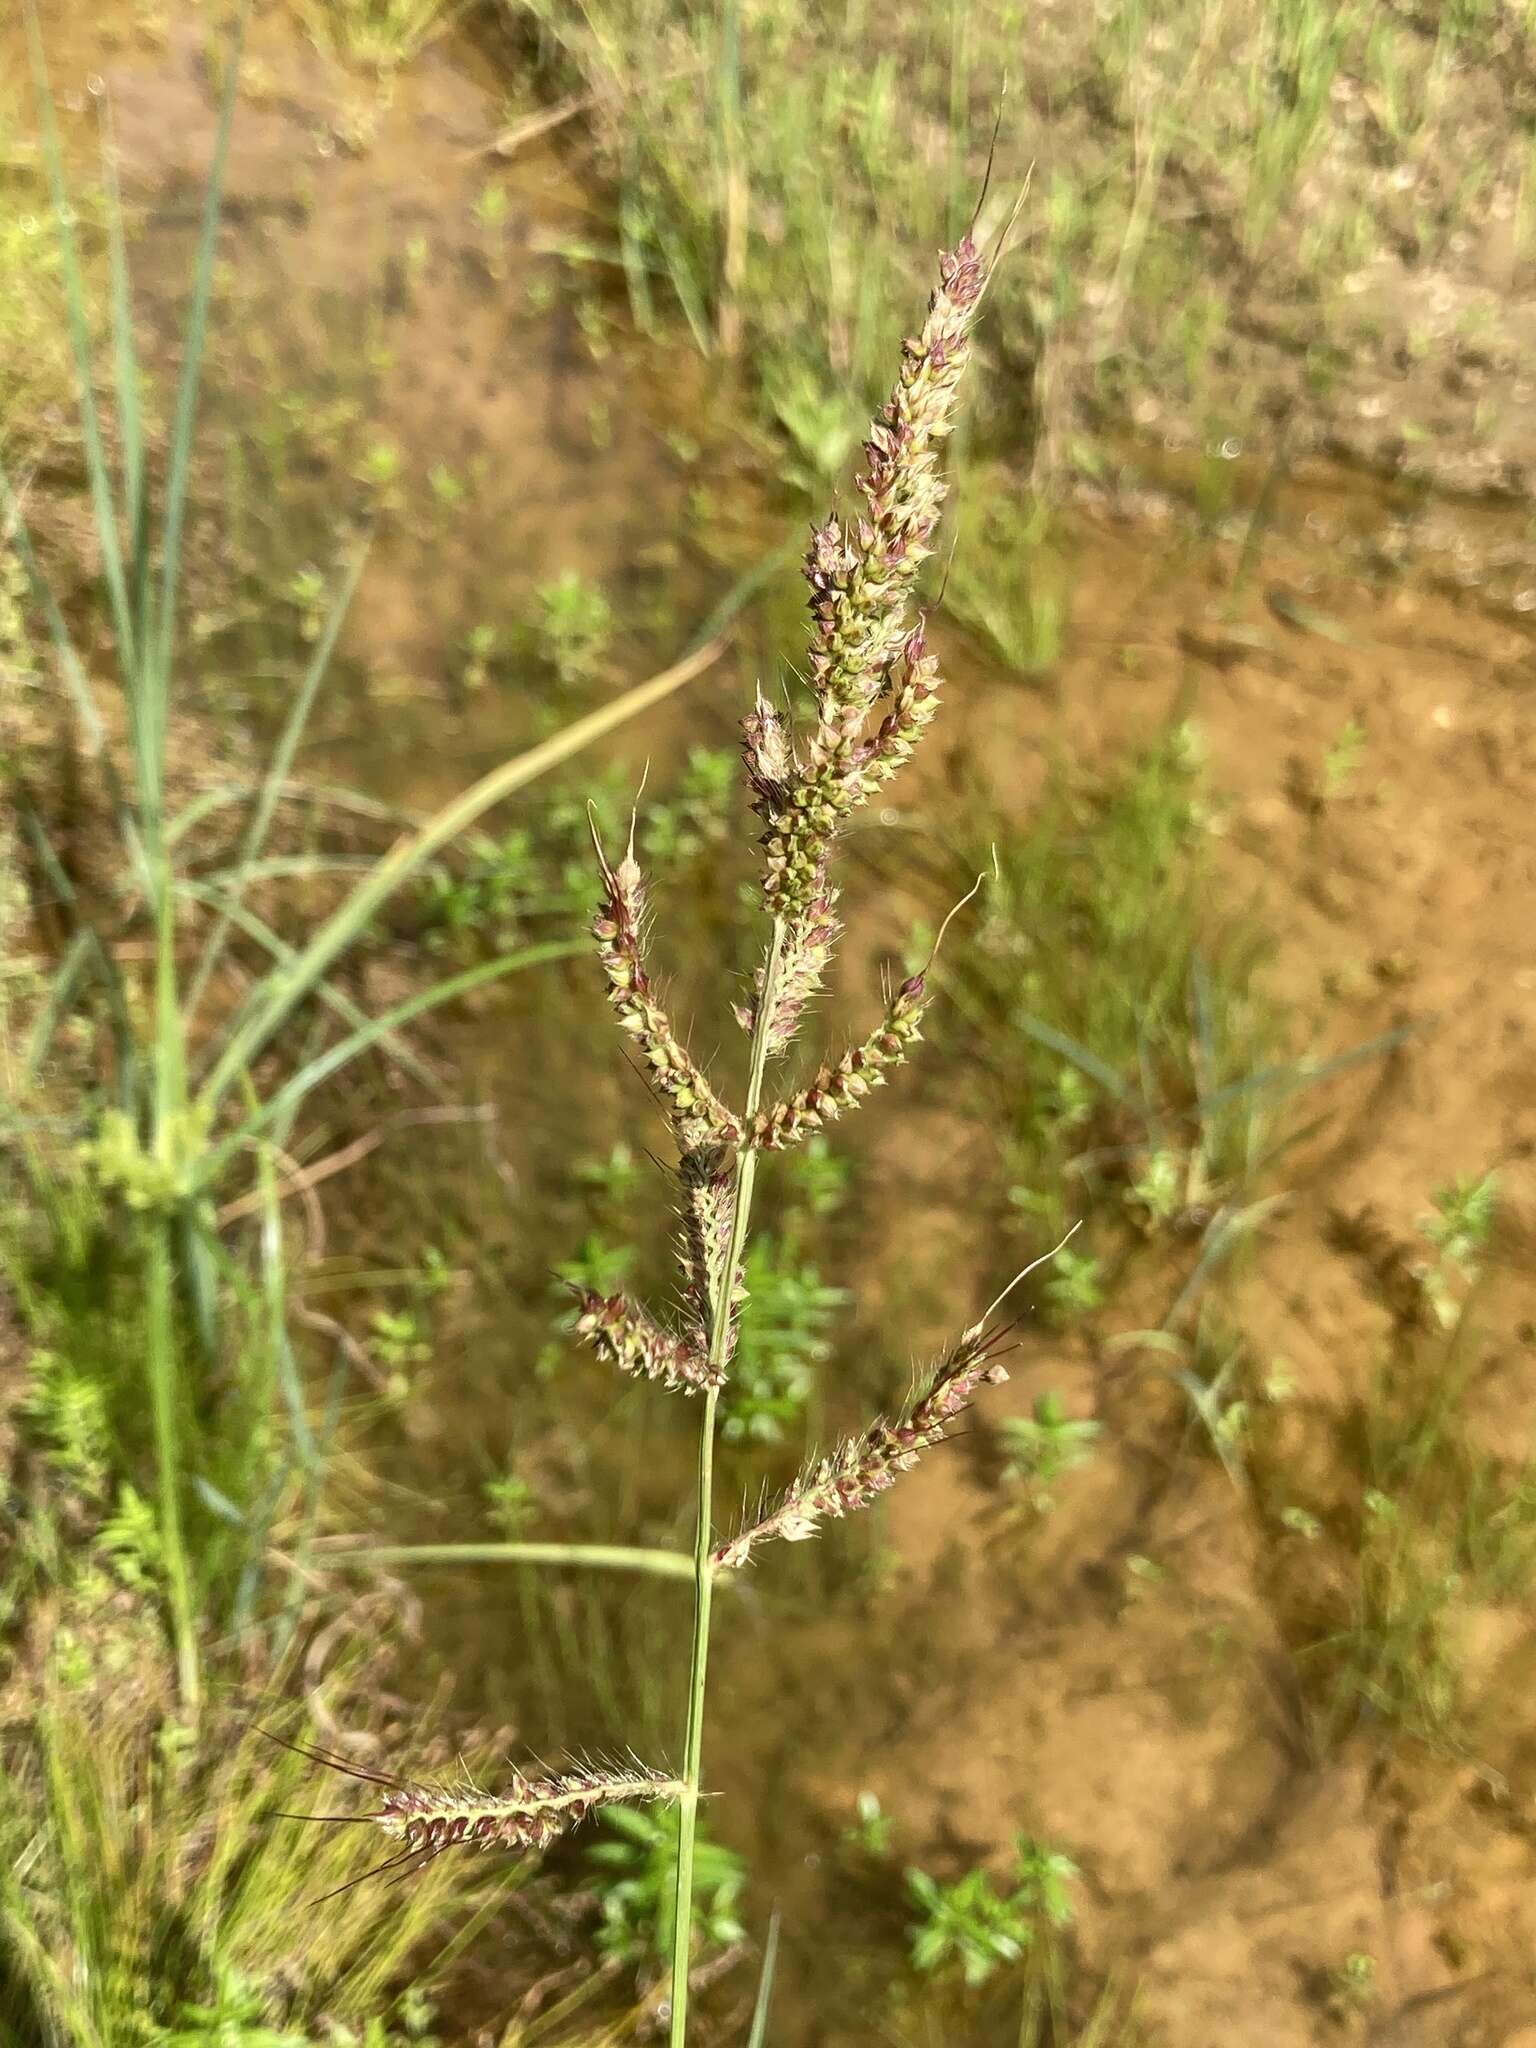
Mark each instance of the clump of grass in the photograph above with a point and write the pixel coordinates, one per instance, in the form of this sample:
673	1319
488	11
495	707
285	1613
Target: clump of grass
146	1897
380	35
1443	1526
636	1870
1008	584
1124	1030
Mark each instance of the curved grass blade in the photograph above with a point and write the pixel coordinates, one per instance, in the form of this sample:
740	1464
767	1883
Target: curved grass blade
618	1557
277	772
325	992
272	1002
287	1098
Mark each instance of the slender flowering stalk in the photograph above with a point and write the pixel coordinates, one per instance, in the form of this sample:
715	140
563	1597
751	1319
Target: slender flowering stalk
875	688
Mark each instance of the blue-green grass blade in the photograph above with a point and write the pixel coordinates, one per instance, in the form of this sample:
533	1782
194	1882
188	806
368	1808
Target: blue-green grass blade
759	2034
323	1065
98	475
269	1005
1293	1075
180	458
278	770
125	360
1087	1062
318	795
352	1014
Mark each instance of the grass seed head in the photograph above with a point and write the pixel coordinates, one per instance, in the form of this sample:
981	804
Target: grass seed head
425	1820
843	1084
697	1115
707	1186
622	1333
864	1467
865	644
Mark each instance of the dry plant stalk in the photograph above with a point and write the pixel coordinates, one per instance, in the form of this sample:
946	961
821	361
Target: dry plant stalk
875	687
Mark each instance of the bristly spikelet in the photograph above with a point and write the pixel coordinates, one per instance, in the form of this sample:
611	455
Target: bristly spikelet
530	1813
864	644
706	1183
622	1333
841	1084
864	1467
808	942
696	1113
861	582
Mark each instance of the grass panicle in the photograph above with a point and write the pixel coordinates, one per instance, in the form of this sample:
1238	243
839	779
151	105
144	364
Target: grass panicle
867	650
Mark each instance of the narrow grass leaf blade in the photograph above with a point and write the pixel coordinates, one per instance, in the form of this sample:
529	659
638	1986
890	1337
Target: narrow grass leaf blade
347	1049
63	982
1089	1062
275	999
277	773
97	474
1294	1075
759	2034
130	425
180	459
335	999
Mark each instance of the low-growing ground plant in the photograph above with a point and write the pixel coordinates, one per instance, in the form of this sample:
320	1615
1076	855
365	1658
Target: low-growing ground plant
636	1872
971	1928
1040	1449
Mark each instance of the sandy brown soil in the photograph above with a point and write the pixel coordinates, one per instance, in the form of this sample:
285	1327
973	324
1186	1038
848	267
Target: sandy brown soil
1160	1731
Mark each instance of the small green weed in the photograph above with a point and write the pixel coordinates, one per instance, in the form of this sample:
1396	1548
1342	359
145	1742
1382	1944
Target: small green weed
971	1929
637	1883
1041	1449
1008	583
784	1338
1124	1019
573	628
1459	1232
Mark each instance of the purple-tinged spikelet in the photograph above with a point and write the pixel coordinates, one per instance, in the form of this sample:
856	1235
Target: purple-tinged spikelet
707	1186
863	642
841	1084
425	1820
623	1334
696	1113
861	583
864	1467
